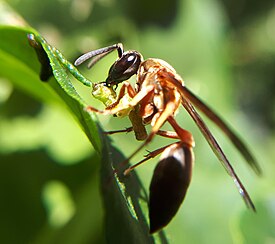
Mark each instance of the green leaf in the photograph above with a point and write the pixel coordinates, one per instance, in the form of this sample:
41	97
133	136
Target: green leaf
124	196
65	89
19	64
125	199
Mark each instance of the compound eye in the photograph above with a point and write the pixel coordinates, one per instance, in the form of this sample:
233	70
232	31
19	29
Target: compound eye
124	68
128	60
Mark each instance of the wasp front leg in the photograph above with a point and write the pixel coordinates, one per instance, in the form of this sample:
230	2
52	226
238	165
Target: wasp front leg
122	105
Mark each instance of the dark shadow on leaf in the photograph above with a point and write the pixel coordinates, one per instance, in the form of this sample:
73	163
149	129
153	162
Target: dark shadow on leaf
122	196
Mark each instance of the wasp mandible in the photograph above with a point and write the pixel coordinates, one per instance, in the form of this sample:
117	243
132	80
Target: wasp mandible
158	93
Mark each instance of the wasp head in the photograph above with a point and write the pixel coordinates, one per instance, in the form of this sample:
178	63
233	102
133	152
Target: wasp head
125	67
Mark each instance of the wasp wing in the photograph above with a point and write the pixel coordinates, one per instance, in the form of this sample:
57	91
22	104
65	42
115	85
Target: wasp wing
218	151
210	139
237	142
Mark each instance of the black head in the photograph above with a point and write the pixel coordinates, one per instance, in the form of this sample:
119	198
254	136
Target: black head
125	67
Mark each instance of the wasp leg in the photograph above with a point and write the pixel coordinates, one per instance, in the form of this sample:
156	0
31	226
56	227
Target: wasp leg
163	133
141	95
161	117
147	157
125	87
185	136
126	130
114	110
134	116
168	134
111	109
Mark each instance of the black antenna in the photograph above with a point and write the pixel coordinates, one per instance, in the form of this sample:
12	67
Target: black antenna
98	54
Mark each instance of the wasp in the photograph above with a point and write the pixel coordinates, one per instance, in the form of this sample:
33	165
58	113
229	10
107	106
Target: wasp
158	93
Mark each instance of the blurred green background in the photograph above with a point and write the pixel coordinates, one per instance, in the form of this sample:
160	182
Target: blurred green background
224	50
